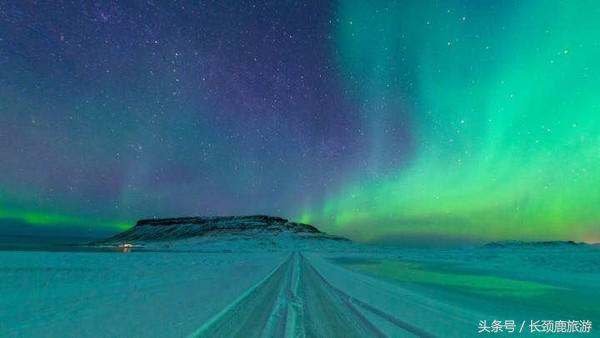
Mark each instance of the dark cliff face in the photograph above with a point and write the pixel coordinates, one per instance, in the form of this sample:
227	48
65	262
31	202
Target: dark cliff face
188	227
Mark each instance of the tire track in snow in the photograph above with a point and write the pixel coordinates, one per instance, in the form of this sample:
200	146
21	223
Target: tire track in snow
362	312
252	313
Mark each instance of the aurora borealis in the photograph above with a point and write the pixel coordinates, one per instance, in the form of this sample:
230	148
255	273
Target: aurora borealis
374	120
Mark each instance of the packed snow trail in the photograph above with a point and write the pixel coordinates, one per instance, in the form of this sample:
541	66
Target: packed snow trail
295	300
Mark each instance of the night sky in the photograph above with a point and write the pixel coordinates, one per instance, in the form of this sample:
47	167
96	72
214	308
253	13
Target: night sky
378	120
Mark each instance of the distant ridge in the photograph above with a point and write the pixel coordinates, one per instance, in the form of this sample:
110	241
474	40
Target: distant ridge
255	226
514	244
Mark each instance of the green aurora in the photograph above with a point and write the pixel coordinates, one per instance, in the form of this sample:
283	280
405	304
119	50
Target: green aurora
504	107
42	219
499	102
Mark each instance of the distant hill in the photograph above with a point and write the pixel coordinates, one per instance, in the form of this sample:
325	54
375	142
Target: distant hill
515	244
204	230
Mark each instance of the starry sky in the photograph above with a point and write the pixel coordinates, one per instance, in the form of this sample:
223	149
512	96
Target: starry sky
377	120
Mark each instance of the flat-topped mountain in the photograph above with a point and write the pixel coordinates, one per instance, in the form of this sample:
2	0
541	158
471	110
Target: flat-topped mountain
224	227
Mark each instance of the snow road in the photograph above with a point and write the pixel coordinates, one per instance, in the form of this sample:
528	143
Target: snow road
295	300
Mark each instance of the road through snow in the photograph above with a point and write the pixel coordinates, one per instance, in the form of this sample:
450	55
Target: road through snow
295	300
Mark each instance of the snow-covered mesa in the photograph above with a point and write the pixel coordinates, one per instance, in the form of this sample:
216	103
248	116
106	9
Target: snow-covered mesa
256	232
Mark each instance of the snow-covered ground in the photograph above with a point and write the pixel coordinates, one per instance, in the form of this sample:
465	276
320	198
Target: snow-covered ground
71	294
306	291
